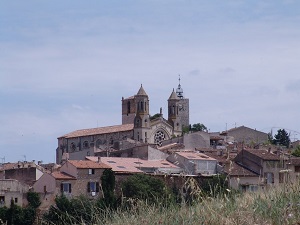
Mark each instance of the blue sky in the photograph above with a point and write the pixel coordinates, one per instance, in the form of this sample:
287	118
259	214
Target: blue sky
65	65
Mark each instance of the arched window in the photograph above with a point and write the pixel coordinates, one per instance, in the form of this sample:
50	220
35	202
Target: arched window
142	106
73	147
128	107
85	144
98	143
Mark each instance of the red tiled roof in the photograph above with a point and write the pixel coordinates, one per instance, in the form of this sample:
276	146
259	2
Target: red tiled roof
62	176
99	130
132	164
263	154
233	169
194	155
87	164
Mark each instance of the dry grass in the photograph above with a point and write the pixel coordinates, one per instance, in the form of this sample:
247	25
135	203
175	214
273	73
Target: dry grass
274	206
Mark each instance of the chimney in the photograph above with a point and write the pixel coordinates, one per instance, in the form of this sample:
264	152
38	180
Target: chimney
99	160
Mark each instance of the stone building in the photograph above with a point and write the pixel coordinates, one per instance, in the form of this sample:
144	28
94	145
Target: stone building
137	126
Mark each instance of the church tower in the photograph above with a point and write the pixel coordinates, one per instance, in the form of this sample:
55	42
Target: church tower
173	113
142	117
128	110
183	107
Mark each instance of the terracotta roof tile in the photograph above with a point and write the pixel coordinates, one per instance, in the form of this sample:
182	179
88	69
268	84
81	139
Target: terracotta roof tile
233	169
62	176
133	165
194	155
87	164
99	130
263	154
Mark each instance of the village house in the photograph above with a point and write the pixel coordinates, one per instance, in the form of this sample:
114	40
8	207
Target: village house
13	190
194	163
25	172
267	165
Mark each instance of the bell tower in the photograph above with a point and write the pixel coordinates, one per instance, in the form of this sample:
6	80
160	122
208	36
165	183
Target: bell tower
142	117
183	106
173	113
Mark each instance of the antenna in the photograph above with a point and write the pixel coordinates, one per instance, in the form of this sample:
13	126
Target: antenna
24	157
2	160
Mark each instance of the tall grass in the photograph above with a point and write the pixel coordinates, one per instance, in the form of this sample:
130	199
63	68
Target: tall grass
280	205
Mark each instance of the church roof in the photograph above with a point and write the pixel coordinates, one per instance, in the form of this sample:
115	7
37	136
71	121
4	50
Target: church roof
142	91
99	130
173	95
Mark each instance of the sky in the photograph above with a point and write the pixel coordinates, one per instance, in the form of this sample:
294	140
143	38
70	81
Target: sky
65	65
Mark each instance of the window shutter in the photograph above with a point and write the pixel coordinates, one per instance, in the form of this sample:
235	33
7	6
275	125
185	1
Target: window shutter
62	187
70	189
97	186
88	187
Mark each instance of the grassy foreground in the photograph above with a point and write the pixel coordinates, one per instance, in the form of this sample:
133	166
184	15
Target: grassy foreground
279	205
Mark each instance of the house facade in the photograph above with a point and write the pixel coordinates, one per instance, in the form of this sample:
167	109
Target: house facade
267	165
194	163
13	190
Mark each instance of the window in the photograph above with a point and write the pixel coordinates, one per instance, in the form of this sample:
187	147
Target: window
73	147
269	178
65	188
91	171
86	144
93	186
16	200
2	200
128	107
281	177
253	188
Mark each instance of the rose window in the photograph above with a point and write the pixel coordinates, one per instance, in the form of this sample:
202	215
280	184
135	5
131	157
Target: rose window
159	137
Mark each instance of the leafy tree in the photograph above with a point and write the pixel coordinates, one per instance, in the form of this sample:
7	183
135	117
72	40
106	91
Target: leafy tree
282	138
144	187
33	199
198	127
108	186
296	151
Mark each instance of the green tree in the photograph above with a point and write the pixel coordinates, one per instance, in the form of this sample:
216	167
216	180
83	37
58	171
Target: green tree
282	138
33	199
296	151
108	186
198	127
144	187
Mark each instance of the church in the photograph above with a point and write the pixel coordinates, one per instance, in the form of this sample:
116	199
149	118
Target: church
138	128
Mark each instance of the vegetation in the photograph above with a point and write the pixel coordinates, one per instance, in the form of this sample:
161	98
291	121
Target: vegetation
144	187
194	128
276	206
18	215
296	151
281	138
108	187
198	127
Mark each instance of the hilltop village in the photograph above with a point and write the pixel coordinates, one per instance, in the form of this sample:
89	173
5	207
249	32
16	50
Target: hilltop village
150	144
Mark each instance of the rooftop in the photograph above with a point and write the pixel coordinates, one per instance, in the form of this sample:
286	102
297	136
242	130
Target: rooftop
87	164
99	130
234	169
263	154
62	176
134	165
192	155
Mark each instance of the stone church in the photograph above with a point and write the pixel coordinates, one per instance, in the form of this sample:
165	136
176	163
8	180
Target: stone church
138	128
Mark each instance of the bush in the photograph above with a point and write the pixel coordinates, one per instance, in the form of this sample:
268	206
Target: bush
144	187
